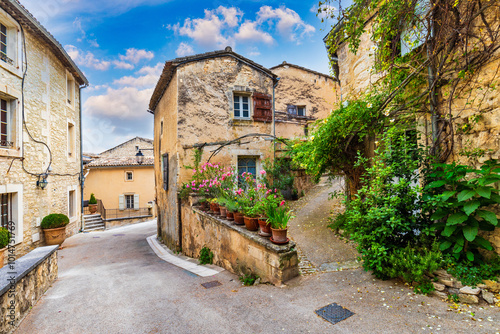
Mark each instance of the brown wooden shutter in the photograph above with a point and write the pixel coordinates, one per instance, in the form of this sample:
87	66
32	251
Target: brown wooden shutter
262	107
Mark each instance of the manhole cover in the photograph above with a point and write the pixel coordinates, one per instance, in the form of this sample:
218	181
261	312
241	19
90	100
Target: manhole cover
334	313
212	284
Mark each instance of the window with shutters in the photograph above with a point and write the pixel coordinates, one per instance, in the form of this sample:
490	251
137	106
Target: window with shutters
262	110
10	34
241	106
296	111
11	210
129	201
8	123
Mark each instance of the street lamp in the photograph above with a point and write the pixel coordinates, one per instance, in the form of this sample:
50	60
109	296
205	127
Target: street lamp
139	157
42	181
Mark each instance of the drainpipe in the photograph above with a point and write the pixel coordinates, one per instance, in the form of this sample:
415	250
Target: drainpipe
432	93
82	178
274	119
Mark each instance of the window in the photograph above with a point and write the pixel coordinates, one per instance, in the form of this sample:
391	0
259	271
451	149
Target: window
248	165
165	171
4	46
71	203
129	201
414	36
301	111
11	210
70	89
241	106
294	110
71	141
129	176
7	123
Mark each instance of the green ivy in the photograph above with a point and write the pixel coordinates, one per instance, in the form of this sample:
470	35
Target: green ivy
206	256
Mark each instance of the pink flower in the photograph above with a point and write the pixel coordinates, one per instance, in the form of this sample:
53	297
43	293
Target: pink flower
282	203
262	172
187	186
275	190
194	171
275	196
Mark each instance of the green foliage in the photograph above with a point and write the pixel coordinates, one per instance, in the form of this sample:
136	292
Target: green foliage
461	199
206	256
453	298
279	217
472	274
4	237
424	288
92	199
279	173
231	206
249	279
198	152
54	220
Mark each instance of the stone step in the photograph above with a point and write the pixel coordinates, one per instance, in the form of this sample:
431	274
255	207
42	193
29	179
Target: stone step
97	228
93	224
93	220
92	215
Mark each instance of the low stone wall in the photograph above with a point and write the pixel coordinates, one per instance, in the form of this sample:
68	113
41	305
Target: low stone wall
446	285
23	282
113	223
235	248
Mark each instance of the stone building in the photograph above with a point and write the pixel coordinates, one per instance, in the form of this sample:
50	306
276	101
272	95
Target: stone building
355	74
204	101
123	183
40	128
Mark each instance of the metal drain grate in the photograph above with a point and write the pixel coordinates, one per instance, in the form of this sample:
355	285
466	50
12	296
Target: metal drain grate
334	313
212	284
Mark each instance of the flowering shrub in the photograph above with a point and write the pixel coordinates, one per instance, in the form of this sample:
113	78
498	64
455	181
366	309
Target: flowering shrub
211	180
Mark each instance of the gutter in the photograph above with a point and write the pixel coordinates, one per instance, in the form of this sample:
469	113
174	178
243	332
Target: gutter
82	177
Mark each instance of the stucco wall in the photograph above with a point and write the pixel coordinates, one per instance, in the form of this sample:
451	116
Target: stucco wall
107	183
47	115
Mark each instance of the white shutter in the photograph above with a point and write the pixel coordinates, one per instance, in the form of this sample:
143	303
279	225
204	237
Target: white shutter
136	201
121	202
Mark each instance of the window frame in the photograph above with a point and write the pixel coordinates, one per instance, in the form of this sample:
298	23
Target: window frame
13	147
240	96
16	192
127	179
13	45
165	170
70	90
243	157
127	197
71	149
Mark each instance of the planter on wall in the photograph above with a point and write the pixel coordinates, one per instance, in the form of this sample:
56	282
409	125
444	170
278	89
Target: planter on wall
251	223
93	208
230	215
265	227
55	236
279	236
223	212
238	218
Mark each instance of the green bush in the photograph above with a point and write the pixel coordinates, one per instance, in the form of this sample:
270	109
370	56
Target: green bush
472	274
92	199
55	220
4	237
206	256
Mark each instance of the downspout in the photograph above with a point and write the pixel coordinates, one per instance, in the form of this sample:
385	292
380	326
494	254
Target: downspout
432	93
274	119
82	178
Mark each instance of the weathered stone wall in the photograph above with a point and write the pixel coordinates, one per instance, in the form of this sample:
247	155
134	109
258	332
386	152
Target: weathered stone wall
300	87
19	292
129	148
235	248
114	223
47	115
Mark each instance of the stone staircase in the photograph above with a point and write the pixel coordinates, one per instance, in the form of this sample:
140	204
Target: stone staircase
93	223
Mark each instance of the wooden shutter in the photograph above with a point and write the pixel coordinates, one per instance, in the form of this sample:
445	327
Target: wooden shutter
165	172
262	107
121	202
136	201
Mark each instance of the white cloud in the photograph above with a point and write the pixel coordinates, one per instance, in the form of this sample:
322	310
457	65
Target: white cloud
231	15
249	32
184	49
122	103
289	25
204	31
87	59
147	80
77	23
134	55
123	65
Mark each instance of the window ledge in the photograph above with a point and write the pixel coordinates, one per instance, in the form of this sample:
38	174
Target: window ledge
10	152
241	121
12	69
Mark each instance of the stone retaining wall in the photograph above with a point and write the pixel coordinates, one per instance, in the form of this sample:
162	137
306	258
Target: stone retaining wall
113	223
23	282
446	285
235	248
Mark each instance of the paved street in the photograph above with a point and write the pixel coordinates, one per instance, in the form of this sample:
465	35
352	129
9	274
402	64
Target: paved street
112	282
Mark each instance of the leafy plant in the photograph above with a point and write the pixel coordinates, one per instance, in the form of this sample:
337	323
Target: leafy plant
453	298
231	206
54	220
279	172
462	198
424	288
92	199
472	274
249	279
4	237
279	217
206	256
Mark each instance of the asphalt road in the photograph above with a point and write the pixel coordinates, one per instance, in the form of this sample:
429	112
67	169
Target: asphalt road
112	282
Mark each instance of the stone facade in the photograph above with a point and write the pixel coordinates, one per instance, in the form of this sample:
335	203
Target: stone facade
52	117
194	108
356	74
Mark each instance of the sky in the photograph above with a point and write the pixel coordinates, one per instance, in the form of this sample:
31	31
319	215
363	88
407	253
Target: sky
122	45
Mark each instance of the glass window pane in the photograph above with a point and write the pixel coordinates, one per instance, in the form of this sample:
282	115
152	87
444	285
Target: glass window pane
245	99
245	113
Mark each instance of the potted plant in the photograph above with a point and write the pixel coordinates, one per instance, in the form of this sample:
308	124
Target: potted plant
231	207
203	203
92	204
54	228
222	206
279	218
4	241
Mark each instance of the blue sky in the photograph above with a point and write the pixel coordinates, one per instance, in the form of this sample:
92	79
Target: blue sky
121	46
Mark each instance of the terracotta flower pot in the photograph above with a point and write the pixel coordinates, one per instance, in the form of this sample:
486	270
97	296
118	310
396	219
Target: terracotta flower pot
251	223
238	218
279	235
230	215
216	209
204	206
2	256
93	208
265	227
55	236
223	212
